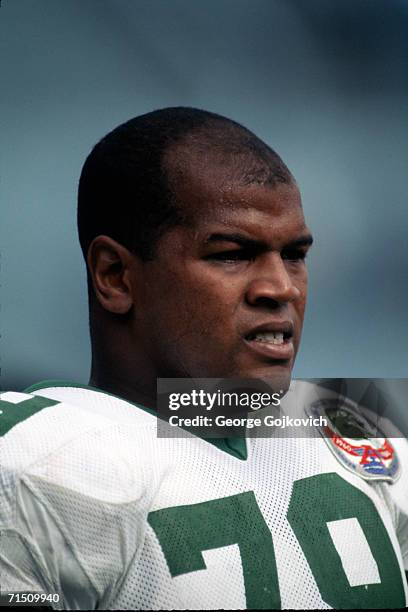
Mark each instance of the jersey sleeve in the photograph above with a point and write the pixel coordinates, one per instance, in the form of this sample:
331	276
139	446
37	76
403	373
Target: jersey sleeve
34	555
399	495
72	510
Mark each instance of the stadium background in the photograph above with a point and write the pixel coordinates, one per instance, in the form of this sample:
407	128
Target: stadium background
324	83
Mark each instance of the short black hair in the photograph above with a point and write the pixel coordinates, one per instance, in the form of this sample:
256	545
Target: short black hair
125	191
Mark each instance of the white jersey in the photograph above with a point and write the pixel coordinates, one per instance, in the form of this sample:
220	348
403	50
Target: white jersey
97	509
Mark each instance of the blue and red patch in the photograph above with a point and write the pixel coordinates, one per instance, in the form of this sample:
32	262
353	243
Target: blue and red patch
356	441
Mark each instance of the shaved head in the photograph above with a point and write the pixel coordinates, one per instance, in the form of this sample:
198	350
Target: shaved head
128	185
226	144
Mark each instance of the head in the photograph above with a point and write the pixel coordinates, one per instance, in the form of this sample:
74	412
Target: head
195	242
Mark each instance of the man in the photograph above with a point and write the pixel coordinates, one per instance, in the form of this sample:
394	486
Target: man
195	242
218	198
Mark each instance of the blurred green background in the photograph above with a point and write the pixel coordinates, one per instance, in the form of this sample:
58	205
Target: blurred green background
324	83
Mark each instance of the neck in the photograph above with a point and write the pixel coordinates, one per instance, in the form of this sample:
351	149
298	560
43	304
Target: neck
120	369
120	387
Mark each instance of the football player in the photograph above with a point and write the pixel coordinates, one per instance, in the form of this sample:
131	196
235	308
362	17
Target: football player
195	242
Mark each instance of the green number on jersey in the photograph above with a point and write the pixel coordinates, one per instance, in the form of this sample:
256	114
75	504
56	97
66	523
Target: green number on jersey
185	531
315	502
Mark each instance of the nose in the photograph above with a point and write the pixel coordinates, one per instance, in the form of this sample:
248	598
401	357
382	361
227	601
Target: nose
273	285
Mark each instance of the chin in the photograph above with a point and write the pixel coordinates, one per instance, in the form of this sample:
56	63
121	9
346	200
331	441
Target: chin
277	377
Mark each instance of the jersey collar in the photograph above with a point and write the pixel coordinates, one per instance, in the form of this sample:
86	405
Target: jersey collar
237	447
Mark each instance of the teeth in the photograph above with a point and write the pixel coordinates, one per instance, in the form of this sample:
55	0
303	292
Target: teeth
271	337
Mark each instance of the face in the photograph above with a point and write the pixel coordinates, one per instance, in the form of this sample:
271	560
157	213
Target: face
225	294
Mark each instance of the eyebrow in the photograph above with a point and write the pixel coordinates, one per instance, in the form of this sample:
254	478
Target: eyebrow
244	241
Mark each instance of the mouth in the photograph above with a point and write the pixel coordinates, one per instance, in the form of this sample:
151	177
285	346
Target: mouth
273	341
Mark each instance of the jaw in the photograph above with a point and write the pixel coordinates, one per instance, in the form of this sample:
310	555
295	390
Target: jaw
276	377
275	373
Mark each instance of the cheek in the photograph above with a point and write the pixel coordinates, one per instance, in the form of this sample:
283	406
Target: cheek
209	302
301	282
300	310
171	302
197	304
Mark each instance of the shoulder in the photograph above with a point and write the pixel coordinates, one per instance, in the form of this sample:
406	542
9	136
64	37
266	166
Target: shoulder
68	472
372	415
89	447
375	448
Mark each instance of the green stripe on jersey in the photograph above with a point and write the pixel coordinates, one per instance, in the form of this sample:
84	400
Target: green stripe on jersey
13	413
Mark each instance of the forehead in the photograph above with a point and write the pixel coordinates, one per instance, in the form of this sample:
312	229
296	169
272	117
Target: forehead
210	192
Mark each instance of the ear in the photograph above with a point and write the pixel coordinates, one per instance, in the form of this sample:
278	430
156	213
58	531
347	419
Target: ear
110	264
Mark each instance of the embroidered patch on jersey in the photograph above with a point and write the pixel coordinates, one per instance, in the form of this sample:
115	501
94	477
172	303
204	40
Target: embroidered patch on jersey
356	441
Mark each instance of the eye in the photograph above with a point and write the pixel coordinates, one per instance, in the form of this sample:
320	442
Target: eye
231	256
294	254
